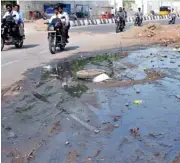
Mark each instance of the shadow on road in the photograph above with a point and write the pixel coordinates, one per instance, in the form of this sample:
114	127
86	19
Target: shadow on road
69	48
24	47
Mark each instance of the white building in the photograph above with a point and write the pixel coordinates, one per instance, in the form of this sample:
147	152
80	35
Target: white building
148	5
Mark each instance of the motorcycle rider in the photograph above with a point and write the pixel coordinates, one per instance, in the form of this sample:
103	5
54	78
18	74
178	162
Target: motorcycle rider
55	15
139	14
121	14
125	12
173	16
66	26
11	12
21	19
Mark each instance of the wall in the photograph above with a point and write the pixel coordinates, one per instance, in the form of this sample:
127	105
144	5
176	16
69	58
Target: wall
27	6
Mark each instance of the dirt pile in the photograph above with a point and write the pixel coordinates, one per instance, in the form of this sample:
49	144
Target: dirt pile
155	32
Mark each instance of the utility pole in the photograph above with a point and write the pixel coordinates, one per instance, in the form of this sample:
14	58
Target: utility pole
115	6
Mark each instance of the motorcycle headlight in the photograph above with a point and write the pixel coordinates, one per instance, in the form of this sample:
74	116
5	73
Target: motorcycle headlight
63	21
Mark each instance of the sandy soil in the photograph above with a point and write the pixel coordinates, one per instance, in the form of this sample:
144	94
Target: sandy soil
157	33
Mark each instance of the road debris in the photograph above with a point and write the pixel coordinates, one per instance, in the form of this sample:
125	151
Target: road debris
56	127
67	142
40	97
137	90
97	131
116	125
72	156
97	153
126	104
172	61
138	102
178	96
11	134
135	132
48	67
109	128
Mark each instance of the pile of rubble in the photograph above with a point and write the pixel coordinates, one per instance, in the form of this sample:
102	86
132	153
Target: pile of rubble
156	32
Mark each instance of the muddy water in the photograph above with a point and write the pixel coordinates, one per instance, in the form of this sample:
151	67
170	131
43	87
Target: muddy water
101	124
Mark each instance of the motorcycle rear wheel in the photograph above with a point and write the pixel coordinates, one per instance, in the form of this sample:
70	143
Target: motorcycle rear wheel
62	47
19	44
2	43
121	29
117	28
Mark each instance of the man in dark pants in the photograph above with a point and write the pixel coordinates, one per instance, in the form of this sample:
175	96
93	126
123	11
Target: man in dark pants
125	13
66	26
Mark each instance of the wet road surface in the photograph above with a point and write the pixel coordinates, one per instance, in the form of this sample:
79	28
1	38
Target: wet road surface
52	116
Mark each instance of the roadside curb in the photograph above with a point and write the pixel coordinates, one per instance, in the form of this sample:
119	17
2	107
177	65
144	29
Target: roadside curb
87	22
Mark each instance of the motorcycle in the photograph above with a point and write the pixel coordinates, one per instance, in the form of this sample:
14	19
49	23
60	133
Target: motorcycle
172	19
55	35
119	24
10	34
138	21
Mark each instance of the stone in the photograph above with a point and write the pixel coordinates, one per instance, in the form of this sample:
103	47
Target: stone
11	134
119	65
178	96
116	125
172	61
89	73
137	90
67	142
126	104
97	131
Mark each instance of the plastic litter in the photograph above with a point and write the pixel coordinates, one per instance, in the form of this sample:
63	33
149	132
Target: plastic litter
138	102
100	78
47	67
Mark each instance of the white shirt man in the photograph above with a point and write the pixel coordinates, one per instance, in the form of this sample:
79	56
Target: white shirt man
60	16
12	13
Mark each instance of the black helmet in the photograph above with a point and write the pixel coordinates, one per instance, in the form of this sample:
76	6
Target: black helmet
61	5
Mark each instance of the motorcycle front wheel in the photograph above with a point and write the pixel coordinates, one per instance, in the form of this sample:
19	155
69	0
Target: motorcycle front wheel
2	43
52	45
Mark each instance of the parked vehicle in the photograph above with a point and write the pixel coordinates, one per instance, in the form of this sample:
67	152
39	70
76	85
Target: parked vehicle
165	10
10	34
55	35
119	24
138	21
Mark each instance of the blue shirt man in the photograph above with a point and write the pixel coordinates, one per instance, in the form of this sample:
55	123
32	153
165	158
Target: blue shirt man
21	19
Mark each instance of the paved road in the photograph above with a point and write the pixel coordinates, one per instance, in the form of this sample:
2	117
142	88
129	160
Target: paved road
14	62
110	28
